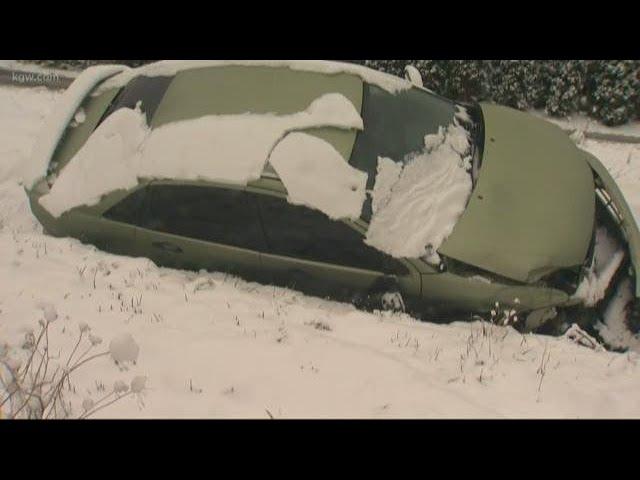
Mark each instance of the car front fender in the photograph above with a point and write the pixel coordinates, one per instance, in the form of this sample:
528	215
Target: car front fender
612	196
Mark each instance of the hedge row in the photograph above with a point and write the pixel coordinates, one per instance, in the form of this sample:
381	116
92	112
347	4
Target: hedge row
608	91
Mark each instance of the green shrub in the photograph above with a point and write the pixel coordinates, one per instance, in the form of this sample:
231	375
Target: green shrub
612	90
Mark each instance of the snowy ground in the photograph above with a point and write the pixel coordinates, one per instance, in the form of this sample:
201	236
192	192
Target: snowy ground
215	346
37	69
584	123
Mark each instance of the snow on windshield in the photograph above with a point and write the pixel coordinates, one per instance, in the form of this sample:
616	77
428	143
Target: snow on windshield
417	203
222	148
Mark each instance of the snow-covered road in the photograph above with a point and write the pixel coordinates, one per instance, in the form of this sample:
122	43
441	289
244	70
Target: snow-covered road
215	346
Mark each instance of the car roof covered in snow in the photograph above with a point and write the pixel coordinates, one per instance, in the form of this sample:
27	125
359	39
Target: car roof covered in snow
198	89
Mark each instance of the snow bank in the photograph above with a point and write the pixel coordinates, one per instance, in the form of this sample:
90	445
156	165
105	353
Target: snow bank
219	148
317	176
23	112
15	212
416	205
123	348
63	113
607	258
388	82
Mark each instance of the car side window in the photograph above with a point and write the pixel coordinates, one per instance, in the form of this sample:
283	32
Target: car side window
147	90
129	210
300	232
209	214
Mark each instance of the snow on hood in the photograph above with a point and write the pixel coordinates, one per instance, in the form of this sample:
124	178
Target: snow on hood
218	148
385	81
417	204
64	111
317	176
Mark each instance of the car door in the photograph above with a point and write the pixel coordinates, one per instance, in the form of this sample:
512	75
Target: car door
309	252
195	226
110	225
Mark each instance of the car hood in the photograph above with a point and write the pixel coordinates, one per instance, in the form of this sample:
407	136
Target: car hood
532	211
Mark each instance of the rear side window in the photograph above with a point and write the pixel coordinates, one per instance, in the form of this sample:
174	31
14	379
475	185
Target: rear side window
147	90
299	232
204	213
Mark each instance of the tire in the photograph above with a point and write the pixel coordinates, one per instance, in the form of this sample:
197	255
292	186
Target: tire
383	296
391	301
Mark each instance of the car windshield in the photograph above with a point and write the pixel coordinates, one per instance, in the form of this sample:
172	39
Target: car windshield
145	91
395	127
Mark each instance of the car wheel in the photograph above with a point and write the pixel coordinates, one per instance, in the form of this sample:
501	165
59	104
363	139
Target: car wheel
384	296
391	301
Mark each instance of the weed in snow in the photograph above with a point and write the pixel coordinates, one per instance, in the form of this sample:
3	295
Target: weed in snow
37	388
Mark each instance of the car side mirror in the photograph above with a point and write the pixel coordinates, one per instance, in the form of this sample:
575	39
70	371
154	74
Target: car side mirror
413	75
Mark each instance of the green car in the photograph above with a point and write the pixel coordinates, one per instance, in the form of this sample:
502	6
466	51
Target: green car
525	243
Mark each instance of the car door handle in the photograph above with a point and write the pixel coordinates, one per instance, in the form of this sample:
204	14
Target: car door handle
168	247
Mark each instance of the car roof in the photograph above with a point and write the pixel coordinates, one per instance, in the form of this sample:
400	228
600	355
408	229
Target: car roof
225	90
386	81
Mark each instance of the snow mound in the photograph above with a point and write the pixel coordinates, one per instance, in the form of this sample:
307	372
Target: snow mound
24	111
317	176
123	348
15	212
417	204
65	109
219	148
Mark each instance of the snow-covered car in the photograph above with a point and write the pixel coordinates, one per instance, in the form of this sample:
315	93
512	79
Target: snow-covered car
342	182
